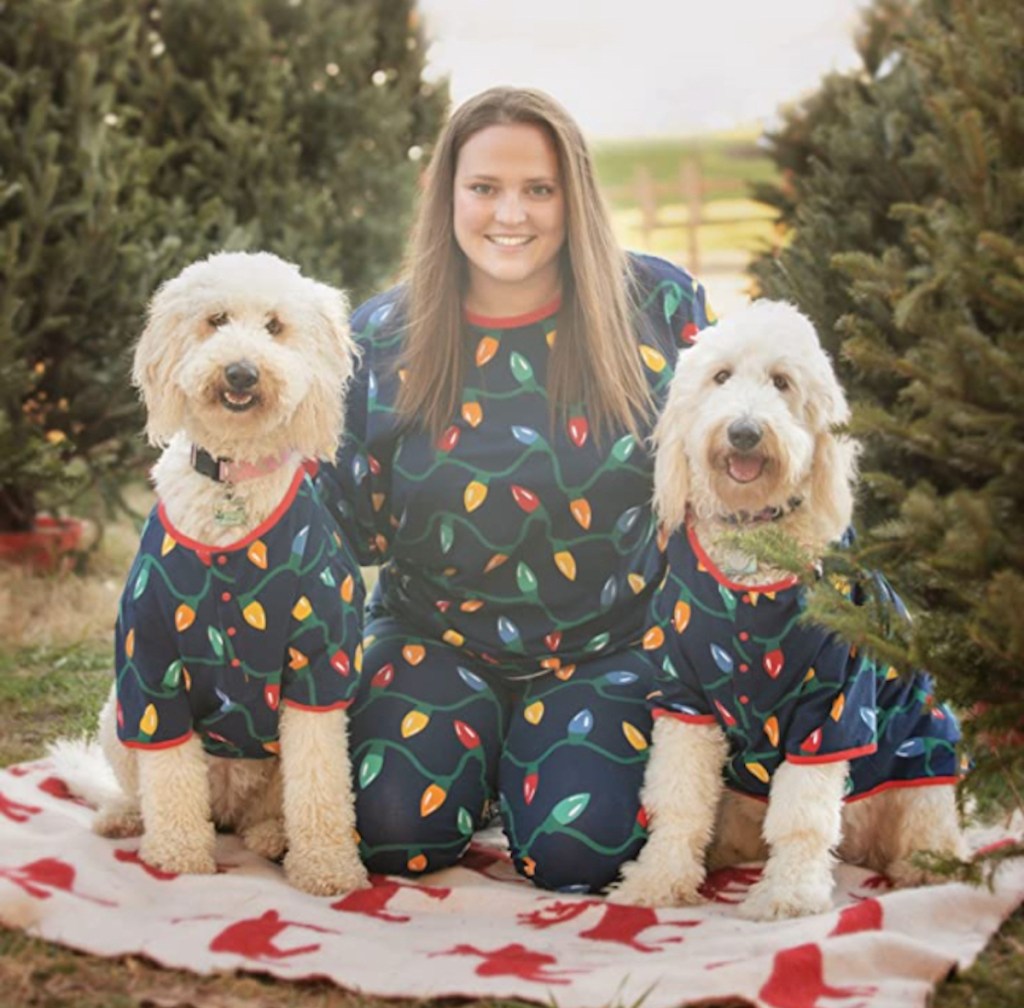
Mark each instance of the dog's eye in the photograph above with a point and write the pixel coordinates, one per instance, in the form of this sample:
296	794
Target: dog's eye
219	319
274	325
781	382
723	376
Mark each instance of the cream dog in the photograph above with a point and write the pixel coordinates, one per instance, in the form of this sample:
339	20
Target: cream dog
798	719
238	631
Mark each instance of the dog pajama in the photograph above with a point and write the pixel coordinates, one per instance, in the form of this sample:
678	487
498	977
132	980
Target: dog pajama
214	639
517	558
783	689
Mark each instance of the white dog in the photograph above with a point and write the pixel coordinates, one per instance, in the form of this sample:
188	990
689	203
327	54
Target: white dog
238	631
798	720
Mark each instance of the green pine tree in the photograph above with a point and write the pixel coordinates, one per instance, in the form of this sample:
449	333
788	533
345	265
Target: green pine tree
905	208
70	264
136	137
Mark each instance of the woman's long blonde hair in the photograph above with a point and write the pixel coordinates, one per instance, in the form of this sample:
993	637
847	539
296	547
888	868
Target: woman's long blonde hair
594	359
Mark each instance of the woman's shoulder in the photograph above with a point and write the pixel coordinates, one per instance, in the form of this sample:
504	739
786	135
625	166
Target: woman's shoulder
671	305
648	272
379	317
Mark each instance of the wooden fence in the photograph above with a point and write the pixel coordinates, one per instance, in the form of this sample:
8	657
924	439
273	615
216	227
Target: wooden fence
694	190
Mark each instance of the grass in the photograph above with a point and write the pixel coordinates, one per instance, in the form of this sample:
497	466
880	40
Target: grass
48	693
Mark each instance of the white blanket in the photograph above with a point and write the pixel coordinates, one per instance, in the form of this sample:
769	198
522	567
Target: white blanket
478	930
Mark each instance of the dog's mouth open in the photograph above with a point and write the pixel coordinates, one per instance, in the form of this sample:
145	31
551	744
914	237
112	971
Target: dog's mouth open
238	402
745	467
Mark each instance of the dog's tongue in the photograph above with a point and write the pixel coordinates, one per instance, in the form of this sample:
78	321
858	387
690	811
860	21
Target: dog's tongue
745	468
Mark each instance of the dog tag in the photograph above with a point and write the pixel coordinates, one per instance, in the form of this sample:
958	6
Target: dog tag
229	513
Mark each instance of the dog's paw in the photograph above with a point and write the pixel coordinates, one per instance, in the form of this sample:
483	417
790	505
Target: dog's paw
266	838
325	869
768	900
180	855
646	885
117	822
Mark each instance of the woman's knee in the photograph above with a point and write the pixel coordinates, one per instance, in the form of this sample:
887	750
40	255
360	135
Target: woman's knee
571	861
396	838
575	830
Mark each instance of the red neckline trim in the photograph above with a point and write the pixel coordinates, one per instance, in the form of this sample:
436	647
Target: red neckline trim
514	321
260	530
713	570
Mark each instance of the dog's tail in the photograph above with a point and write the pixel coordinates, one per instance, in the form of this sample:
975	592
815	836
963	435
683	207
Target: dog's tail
81	765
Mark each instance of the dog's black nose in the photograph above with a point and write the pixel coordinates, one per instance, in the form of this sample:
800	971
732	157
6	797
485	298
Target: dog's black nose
744	435
241	375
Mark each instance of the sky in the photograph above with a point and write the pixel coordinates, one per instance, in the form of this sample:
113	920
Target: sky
630	68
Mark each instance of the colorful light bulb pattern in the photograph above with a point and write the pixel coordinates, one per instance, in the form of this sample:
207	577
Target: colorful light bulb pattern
434	742
216	639
572	769
425	736
513	536
782	688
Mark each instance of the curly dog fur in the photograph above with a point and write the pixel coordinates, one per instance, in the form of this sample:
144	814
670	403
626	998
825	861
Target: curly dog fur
291	333
749	429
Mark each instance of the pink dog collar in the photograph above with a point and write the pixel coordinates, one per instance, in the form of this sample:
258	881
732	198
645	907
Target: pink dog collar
223	470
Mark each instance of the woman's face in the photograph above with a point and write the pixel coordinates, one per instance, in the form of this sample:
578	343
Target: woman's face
509	217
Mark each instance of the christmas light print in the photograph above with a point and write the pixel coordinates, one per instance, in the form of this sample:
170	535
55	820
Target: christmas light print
599	719
420	727
521	480
517	539
782	688
253	627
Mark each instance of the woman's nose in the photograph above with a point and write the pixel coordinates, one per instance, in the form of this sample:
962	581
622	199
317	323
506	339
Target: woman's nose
510	209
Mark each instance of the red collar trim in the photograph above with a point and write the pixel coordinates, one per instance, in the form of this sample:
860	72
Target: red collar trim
707	563
260	530
514	321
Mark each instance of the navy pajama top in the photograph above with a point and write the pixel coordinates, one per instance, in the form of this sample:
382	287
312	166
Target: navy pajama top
215	638
785	689
521	543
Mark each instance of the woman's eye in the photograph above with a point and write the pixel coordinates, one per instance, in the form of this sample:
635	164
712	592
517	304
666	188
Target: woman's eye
781	382
542	190
723	376
219	319
481	188
274	326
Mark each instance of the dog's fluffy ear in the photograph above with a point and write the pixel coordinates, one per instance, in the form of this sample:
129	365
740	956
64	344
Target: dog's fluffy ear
322	411
832	478
671	466
157	355
834	467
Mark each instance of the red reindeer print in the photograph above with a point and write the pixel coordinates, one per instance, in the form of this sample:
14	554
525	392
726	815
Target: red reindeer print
42	878
876	882
798	981
16	811
127	856
513	960
254	938
56	788
490	863
373	902
619	923
729	885
865	915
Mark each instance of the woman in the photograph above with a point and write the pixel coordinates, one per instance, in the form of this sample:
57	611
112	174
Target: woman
496	468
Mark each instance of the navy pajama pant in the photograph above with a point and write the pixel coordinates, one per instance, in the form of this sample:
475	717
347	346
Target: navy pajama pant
437	737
